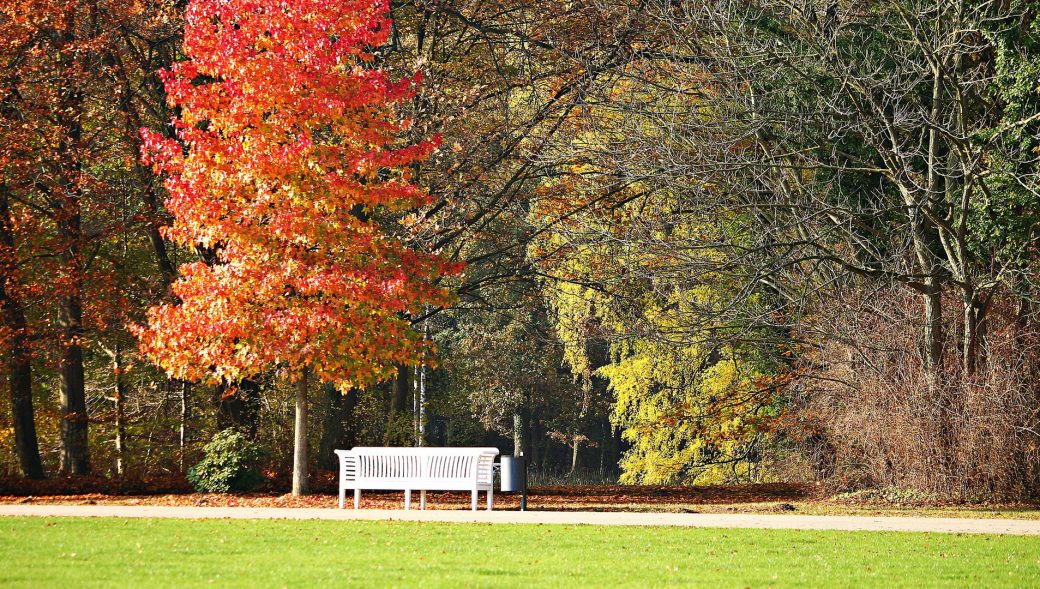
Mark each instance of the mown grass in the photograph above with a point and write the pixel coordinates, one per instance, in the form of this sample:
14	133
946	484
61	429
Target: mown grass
824	507
103	552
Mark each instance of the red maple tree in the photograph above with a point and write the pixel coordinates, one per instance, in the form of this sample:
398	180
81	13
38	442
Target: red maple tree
291	170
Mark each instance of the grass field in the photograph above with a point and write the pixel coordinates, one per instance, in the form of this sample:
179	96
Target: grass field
102	552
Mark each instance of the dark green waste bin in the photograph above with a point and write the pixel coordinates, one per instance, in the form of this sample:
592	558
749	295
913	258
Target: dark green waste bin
513	474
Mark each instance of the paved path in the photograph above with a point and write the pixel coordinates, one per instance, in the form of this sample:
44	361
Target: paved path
705	520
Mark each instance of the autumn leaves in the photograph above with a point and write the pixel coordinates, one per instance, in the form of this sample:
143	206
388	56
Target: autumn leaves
288	164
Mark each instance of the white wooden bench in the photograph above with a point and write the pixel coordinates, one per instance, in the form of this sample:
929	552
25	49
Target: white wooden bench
417	469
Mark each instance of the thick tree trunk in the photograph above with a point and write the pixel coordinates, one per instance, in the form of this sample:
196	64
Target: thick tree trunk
26	445
68	193
299	478
72	386
73	396
75	459
932	338
18	360
973	346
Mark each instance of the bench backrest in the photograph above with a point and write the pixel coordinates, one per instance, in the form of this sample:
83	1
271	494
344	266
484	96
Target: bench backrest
367	463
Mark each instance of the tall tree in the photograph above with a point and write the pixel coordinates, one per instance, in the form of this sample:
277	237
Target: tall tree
856	146
294	171
15	338
58	200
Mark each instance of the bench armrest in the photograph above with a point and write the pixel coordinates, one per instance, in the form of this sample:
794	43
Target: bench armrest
347	465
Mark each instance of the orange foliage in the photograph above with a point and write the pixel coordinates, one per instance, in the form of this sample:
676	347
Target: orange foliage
289	155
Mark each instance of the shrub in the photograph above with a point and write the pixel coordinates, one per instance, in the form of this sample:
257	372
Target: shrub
869	419
229	464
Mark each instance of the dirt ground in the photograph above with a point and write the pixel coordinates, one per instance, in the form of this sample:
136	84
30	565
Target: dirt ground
759	498
584	498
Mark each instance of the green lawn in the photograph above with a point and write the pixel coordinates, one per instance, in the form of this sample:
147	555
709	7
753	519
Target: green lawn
103	552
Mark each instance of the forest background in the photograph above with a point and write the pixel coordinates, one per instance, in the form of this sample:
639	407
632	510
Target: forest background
700	242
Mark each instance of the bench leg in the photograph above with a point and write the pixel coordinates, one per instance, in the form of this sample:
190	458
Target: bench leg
491	500
422	500
342	496
473	502
408	499
357	498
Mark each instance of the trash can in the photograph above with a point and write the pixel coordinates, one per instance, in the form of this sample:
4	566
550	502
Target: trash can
514	473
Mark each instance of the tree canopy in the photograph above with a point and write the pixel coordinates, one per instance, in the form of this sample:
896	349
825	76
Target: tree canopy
684	242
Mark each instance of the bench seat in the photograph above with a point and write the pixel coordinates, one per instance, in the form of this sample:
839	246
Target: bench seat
416	469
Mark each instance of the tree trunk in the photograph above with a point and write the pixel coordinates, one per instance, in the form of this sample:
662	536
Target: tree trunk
147	181
923	242
415	406
68	194
162	256
932	338
518	433
615	449
75	459
974	343
399	393
421	439
399	390
299	478
575	445
19	360
604	432
120	402
26	444
185	416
